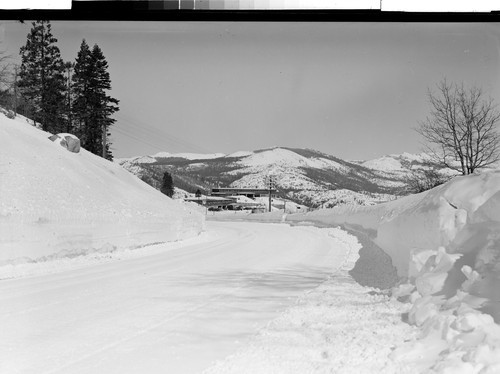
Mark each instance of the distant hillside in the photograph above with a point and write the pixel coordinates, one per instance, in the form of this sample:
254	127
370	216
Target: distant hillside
305	176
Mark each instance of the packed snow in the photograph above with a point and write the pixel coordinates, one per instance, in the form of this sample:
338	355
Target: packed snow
444	244
56	203
177	309
338	327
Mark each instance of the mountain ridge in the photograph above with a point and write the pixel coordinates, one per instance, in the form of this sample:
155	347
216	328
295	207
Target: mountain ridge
303	175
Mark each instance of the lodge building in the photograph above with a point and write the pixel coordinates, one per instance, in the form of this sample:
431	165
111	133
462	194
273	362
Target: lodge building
248	192
227	198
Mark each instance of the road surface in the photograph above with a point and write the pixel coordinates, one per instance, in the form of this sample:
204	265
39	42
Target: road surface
172	312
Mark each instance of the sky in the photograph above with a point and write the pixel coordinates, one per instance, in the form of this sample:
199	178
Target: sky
352	90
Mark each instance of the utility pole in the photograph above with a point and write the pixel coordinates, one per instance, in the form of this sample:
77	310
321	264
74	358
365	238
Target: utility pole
198	196
270	181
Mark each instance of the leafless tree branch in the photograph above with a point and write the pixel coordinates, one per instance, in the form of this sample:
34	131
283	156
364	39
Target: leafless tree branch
461	131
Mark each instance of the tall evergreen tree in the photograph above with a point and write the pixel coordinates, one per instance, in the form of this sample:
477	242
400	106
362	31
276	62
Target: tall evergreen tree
81	87
41	77
69	66
167	185
93	107
106	105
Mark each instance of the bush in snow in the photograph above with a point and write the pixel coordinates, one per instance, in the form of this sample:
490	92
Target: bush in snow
421	180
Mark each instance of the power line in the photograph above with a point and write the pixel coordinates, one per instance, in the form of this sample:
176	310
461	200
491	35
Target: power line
128	135
147	129
149	132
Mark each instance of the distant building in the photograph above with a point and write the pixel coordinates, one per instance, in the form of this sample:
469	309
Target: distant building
227	198
248	192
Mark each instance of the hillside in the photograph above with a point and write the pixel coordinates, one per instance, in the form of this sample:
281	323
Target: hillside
305	176
55	203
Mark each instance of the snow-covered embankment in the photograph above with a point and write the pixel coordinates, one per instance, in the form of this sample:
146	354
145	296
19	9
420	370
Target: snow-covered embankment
446	243
54	203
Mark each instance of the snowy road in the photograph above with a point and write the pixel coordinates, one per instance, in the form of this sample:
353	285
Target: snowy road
171	312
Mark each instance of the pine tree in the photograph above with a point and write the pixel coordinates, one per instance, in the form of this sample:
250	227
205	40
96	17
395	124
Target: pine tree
69	66
41	77
93	107
167	185
81	82
105	105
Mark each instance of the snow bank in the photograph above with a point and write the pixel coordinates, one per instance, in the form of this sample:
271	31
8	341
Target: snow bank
54	203
338	327
446	243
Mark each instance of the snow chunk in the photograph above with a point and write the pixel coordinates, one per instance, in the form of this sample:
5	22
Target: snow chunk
68	141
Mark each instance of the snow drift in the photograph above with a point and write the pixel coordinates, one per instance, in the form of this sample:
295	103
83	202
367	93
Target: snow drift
54	203
445	243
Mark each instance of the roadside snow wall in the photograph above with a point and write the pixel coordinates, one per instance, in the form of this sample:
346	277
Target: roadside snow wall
462	216
54	203
446	243
440	251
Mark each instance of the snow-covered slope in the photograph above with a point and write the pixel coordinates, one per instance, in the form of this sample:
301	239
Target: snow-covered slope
308	177
446	243
282	157
57	203
397	162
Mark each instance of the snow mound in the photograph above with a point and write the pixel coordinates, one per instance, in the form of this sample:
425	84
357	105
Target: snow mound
60	204
445	243
68	141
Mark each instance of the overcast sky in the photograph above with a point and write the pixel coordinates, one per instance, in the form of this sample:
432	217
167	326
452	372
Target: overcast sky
353	90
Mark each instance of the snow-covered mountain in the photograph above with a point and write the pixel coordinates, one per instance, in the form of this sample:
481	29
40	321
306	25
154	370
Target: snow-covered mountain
396	162
306	176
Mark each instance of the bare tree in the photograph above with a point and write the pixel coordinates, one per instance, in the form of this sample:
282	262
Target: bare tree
6	84
420	180
461	129
4	68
